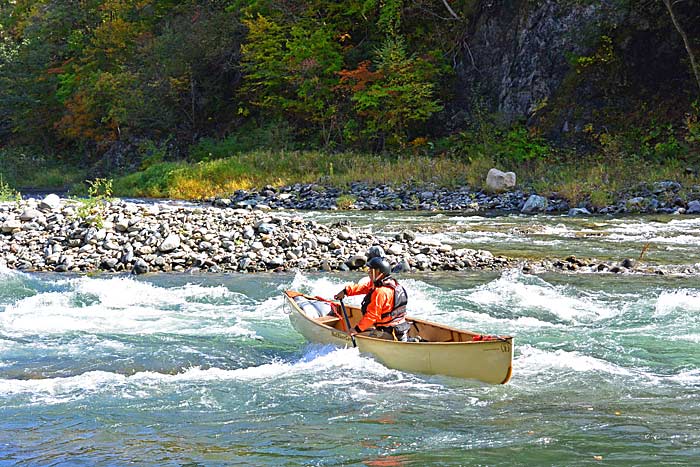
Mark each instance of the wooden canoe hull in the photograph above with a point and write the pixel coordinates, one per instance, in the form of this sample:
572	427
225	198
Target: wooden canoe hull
458	356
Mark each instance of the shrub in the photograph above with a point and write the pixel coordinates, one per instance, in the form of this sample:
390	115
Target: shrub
6	192
345	201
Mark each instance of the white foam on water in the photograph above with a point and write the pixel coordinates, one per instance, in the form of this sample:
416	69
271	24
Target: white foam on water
425	302
533	361
5	272
324	366
525	294
560	230
688	377
127	306
695	338
681	232
324	286
685	302
61	390
271	309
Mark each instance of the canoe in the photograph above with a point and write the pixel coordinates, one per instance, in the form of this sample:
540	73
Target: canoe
442	350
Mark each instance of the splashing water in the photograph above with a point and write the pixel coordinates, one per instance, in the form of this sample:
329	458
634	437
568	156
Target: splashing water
169	369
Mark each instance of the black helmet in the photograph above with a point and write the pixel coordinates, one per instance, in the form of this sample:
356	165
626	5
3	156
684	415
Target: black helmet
380	264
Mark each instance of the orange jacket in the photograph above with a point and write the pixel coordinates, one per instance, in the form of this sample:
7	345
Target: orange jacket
382	302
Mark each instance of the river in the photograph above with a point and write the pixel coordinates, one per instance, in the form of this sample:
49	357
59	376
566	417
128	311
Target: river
179	369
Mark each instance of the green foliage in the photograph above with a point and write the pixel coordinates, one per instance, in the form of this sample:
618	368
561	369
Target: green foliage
291	71
520	145
692	124
600	197
26	167
660	142
653	143
345	201
509	145
399	95
274	136
390	16
152	153
219	80
92	208
7	193
604	55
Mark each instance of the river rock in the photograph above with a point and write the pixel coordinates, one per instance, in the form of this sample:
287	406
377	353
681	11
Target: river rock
401	266
141	266
356	261
534	203
636	204
50	202
29	214
574	212
395	249
170	243
498	181
693	207
11	226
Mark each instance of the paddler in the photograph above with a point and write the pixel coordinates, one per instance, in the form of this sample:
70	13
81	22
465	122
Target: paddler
384	305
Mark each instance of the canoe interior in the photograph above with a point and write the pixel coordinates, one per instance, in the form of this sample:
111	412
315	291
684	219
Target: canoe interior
428	332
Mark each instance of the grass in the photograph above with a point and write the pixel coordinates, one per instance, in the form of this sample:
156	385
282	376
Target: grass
259	168
576	180
24	167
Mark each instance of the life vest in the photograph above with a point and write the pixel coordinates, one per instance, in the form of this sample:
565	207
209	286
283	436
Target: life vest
400	301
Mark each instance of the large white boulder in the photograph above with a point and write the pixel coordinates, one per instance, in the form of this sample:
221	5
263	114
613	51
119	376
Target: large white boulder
498	181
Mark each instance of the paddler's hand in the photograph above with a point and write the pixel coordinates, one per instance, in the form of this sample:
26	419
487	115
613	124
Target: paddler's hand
340	295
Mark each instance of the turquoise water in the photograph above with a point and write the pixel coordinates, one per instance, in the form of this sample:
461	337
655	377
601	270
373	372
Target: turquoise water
206	370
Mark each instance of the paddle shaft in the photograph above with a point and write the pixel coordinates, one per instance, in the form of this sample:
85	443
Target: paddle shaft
347	322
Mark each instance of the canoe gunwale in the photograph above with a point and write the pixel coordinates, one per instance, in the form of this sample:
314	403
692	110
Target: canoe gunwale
298	309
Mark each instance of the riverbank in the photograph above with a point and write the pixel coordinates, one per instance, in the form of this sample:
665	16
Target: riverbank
68	235
665	197
59	235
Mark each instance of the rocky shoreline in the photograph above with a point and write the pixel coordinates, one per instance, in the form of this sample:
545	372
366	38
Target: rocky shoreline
67	235
667	197
59	235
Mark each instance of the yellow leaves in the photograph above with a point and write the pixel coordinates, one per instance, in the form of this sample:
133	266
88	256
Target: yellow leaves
179	84
114	37
78	121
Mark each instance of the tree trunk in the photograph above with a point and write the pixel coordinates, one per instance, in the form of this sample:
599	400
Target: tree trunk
686	42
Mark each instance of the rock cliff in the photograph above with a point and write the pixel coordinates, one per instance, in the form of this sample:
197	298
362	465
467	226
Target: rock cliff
573	59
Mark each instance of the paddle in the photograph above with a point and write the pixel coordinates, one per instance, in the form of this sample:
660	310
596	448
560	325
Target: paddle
347	322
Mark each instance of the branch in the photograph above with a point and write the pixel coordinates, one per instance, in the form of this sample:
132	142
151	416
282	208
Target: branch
449	8
686	42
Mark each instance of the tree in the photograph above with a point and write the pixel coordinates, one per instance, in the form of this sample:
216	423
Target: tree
397	95
291	70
